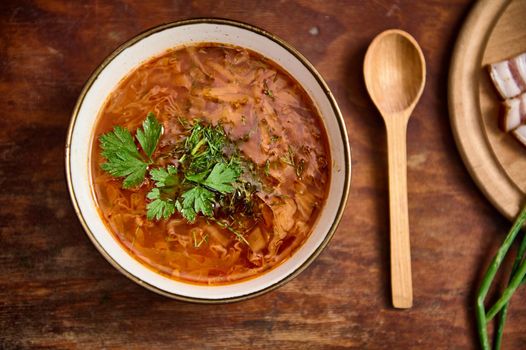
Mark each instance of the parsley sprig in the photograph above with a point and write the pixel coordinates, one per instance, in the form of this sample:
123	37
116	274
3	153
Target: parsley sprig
162	203
123	157
207	174
204	179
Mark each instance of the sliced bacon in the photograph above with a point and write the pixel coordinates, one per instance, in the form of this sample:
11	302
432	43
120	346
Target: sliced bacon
514	113
509	79
509	76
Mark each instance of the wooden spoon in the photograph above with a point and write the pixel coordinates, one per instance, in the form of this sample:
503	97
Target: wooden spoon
395	75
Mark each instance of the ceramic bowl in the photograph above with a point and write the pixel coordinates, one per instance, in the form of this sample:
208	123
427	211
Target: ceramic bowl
151	43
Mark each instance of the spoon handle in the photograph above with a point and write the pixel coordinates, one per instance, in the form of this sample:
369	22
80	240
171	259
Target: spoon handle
401	284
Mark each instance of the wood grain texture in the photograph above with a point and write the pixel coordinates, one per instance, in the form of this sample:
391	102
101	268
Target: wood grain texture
494	31
507	39
399	239
394	71
57	291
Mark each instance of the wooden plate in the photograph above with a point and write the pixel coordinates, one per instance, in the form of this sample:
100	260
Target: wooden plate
494	30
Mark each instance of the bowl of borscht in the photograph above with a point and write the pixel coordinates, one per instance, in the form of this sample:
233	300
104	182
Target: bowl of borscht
208	161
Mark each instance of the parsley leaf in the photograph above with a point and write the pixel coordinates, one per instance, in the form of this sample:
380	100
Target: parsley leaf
199	177
165	177
222	177
163	204
150	134
205	181
160	207
195	200
123	157
118	140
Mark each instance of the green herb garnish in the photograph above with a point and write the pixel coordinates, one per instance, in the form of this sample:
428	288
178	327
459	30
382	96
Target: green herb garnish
208	173
196	200
165	177
267	167
266	90
239	236
123	157
162	196
150	134
207	177
160	207
204	180
290	159
222	177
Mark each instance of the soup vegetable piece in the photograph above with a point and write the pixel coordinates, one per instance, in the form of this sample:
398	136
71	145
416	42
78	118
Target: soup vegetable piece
210	164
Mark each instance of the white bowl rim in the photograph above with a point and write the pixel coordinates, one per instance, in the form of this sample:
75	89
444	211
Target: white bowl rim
303	60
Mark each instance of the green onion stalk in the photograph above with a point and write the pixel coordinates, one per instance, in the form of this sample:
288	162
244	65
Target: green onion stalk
516	278
503	313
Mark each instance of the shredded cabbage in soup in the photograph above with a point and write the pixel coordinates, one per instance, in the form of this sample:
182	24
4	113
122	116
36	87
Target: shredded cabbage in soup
267	118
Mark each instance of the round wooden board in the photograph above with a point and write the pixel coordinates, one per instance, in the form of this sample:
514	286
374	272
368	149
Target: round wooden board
494	30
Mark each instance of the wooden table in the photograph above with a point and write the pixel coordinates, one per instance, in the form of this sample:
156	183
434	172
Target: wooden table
57	291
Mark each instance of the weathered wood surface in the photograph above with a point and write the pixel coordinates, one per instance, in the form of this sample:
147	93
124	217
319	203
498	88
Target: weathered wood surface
57	291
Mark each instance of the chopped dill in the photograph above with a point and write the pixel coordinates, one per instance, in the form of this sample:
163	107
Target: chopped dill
238	234
184	123
267	91
288	158
267	167
208	177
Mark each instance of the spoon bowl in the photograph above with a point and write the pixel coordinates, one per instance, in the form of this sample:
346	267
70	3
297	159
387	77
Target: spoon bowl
395	72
